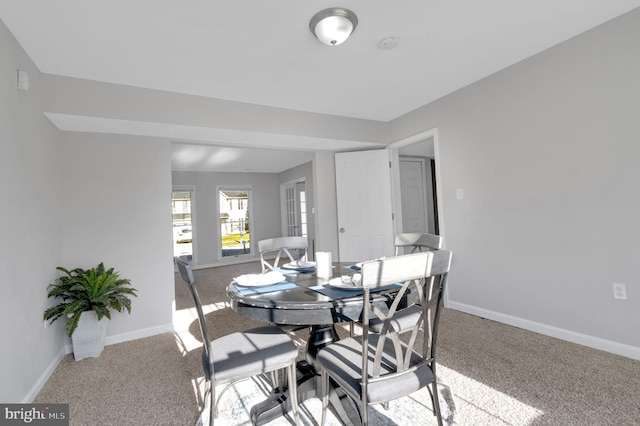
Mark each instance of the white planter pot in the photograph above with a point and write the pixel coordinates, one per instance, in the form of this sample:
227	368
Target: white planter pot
88	338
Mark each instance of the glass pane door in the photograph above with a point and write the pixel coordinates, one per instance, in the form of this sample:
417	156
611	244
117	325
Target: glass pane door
182	226
234	221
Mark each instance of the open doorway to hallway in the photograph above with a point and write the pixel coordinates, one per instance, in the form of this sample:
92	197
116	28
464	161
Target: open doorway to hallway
418	193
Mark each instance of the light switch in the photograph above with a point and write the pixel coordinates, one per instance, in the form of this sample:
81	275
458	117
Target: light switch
23	80
459	193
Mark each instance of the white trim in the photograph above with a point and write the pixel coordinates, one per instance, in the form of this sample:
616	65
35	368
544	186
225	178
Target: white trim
617	348
44	377
229	260
131	335
431	133
138	334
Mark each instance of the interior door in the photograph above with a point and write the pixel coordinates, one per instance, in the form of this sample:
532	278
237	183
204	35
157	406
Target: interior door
292	214
365	222
413	180
293	202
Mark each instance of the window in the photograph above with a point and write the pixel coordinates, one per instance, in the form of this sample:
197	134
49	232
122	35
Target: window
234	222
181	202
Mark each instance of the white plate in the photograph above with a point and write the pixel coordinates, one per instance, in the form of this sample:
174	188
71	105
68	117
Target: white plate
259	280
299	265
337	283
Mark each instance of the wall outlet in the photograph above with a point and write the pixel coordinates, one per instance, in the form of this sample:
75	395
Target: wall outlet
619	291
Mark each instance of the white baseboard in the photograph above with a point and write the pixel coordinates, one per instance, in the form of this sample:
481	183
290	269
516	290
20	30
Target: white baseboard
138	334
226	262
622	349
35	389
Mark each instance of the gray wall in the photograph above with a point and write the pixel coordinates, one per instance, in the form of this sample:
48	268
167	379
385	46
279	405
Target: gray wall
73	200
547	153
31	249
325	201
117	210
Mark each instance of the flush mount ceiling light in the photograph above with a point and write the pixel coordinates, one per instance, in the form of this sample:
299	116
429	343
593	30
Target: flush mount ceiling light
334	25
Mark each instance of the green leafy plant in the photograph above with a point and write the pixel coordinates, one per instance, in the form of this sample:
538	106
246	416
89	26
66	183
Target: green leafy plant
96	289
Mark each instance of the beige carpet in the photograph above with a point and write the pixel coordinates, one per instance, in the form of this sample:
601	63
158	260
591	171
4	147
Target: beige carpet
497	375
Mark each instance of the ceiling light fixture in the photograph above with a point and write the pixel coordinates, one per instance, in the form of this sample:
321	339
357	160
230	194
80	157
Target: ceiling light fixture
334	25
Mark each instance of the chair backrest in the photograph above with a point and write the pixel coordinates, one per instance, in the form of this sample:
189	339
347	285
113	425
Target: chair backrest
281	245
417	242
416	272
184	268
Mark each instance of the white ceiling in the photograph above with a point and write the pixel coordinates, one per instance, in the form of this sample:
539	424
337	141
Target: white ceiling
203	158
262	52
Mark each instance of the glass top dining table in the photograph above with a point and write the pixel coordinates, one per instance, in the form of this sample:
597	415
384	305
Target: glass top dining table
304	299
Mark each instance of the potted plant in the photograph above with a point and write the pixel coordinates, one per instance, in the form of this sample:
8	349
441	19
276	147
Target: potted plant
87	298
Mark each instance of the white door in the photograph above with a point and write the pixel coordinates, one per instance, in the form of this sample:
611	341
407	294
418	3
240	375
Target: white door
291	203
415	217
293	200
365	223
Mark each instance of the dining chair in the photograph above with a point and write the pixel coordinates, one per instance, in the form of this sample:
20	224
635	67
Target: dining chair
379	367
417	242
242	355
282	246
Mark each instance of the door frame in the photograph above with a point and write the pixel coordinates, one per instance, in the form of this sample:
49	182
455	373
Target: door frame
395	159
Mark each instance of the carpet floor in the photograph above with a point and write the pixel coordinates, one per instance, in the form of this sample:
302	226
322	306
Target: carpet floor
490	374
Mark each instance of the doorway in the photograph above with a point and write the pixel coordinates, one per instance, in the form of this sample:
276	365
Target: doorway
424	146
418	195
234	212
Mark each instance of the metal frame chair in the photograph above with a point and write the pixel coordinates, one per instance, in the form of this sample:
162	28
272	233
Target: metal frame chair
241	355
281	245
417	241
378	367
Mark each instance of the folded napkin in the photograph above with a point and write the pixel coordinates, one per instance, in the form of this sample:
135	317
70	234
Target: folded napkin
254	280
354	280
